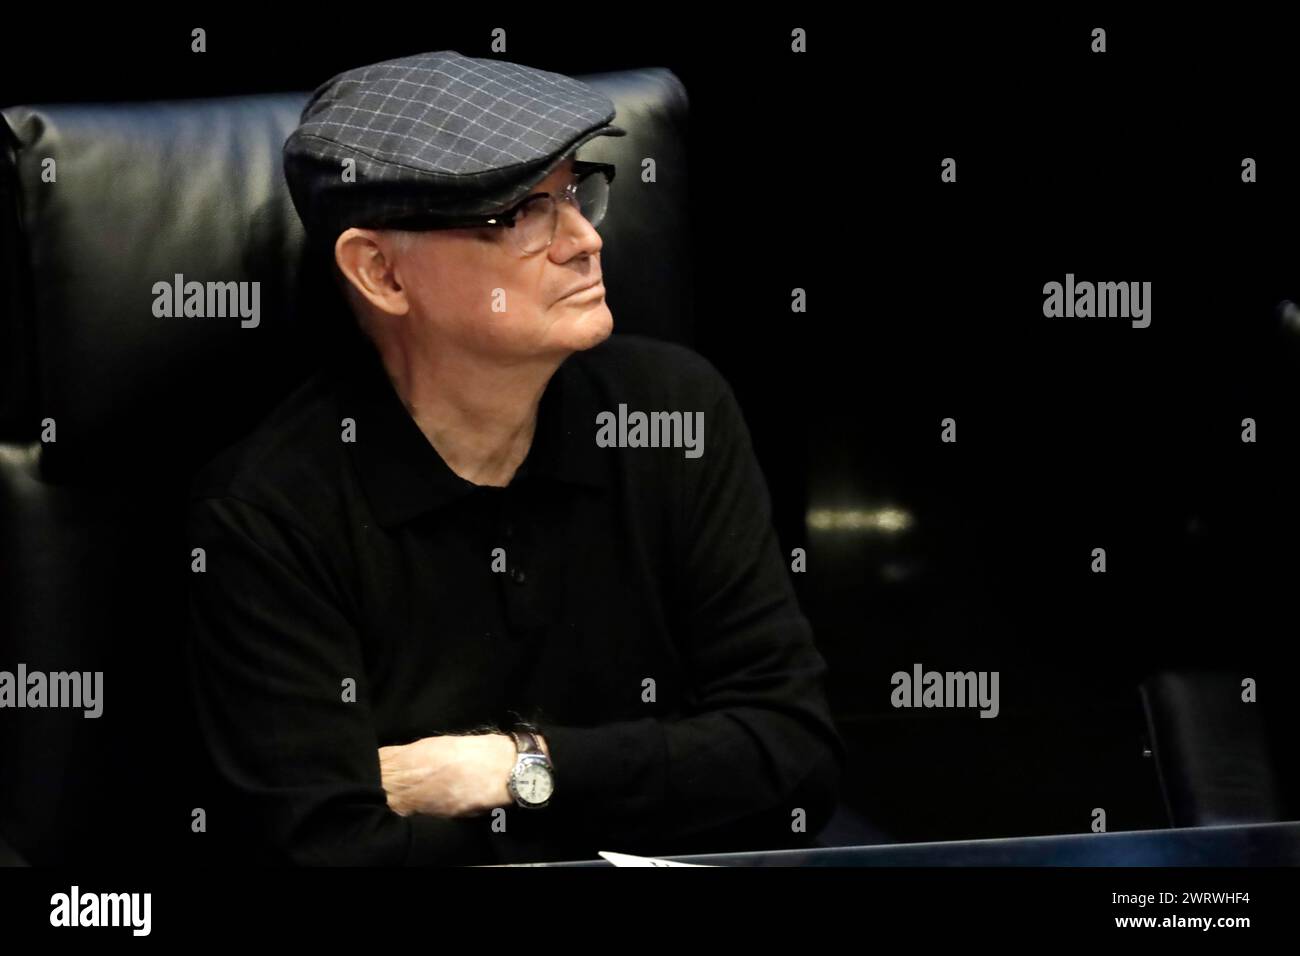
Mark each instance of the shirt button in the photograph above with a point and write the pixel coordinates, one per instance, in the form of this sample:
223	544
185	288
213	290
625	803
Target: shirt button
518	575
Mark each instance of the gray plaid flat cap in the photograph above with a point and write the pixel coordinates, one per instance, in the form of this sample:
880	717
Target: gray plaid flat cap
437	134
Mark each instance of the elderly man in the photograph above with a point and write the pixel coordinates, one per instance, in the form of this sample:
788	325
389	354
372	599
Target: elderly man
437	621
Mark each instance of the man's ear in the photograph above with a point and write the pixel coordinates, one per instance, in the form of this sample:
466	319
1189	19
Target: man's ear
365	263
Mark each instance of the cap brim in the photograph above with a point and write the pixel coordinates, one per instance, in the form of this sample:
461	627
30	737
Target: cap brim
522	188
551	166
592	134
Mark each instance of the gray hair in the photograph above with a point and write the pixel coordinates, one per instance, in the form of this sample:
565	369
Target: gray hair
402	239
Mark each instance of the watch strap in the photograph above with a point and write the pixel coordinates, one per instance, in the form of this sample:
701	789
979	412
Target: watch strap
526	741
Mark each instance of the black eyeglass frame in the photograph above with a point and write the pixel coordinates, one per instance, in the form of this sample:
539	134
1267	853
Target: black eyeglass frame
505	219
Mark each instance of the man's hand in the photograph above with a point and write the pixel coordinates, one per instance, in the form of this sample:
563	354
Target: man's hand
448	776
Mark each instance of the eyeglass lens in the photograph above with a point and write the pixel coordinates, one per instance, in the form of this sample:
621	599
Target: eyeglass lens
535	223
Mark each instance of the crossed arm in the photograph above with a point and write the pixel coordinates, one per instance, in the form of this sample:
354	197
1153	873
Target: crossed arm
450	775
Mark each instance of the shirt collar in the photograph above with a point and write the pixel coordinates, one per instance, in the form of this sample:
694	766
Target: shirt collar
403	475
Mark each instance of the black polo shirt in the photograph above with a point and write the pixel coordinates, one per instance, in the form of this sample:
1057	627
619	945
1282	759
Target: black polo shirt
644	619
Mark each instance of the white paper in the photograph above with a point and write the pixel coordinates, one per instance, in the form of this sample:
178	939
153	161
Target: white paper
627	859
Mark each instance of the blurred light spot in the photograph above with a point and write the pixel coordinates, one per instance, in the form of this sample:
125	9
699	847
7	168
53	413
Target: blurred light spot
896	572
882	520
1290	315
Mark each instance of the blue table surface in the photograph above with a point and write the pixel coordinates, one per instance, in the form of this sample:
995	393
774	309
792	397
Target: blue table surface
1252	844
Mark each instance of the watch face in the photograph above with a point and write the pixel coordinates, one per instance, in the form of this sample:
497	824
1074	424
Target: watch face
533	783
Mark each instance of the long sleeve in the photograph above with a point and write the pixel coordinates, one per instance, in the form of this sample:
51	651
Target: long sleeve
759	740
269	650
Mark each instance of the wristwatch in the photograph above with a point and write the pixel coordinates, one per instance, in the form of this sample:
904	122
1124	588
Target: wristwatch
532	779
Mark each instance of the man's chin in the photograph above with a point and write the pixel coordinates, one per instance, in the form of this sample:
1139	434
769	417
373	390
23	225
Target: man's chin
592	328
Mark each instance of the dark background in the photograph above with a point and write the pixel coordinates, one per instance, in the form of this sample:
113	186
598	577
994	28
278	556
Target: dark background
821	172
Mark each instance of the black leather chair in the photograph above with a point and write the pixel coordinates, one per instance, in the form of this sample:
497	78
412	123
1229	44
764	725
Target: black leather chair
98	202
1215	755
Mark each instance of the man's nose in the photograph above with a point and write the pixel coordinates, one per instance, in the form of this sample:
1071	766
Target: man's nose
574	233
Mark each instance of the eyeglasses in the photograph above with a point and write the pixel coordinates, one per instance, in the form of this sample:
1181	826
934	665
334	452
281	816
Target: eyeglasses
530	224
